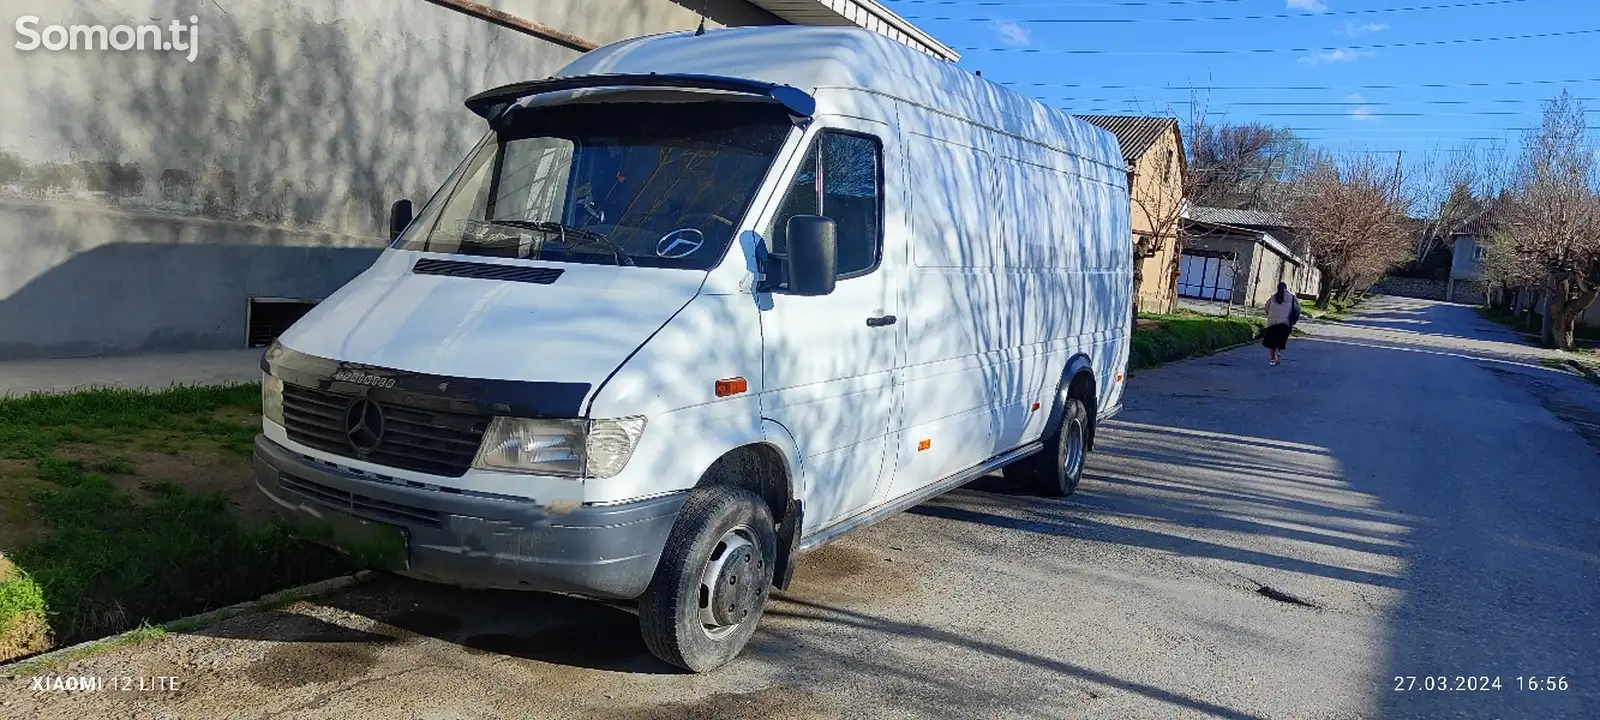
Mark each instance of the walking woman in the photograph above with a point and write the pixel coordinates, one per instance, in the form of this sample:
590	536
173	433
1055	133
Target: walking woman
1283	311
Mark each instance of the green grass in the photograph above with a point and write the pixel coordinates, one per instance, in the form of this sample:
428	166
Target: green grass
1535	320
109	559
1186	335
1335	312
33	425
19	595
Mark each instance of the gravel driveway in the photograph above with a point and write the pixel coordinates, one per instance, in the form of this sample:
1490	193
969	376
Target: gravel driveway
1409	495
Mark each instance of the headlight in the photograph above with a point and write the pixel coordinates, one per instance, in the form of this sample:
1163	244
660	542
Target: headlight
272	398
611	443
573	448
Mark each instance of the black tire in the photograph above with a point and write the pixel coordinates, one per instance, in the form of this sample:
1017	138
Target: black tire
670	610
1053	471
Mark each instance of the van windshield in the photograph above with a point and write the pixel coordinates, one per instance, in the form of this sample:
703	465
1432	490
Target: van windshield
638	184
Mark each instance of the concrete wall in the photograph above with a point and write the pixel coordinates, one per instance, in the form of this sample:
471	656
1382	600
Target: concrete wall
144	197
1269	269
607	21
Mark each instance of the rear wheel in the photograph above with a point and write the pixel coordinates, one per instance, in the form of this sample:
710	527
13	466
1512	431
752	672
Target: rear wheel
711	585
1055	470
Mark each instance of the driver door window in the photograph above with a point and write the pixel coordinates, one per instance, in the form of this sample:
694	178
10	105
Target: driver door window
840	178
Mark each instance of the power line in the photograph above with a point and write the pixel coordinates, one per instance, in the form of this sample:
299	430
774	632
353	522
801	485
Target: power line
1231	18
1291	88
1309	103
1262	51
1124	3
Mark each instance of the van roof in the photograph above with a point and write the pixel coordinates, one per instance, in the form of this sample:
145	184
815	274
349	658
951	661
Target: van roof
817	58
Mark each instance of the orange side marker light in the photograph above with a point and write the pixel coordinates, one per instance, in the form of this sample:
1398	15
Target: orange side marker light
1036	407
732	386
924	445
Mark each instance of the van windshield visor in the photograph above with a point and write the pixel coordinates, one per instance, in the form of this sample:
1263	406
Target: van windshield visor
637	184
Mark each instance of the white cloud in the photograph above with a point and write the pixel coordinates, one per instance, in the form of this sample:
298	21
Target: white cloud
1361	113
1354	30
1327	57
1011	33
1315	6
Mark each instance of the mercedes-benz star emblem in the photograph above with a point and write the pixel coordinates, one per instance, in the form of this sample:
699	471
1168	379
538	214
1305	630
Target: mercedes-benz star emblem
363	425
680	243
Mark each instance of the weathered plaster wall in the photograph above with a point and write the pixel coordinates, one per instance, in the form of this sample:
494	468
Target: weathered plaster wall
1155	198
144	197
605	21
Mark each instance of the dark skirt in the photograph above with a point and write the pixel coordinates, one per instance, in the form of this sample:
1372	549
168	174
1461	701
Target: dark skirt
1276	337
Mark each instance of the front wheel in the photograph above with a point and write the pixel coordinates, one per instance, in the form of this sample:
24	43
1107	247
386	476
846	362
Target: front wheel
711	585
1055	470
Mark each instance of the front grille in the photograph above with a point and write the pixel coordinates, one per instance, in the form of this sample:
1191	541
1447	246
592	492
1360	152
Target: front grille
370	507
428	441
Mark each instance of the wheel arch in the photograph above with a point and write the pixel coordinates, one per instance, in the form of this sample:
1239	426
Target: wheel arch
1077	380
769	468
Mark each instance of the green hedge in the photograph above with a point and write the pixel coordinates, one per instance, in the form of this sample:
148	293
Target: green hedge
1175	337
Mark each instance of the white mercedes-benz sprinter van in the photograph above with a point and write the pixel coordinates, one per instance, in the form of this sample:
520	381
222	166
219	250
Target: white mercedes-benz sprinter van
700	303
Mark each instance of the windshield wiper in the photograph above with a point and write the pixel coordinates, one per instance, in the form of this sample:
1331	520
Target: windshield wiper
565	231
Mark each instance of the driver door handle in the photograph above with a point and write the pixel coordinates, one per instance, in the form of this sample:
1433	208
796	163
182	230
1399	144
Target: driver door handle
880	321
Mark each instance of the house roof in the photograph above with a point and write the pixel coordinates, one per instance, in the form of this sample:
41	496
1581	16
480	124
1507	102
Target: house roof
1135	133
1261	236
1480	222
867	14
1230	216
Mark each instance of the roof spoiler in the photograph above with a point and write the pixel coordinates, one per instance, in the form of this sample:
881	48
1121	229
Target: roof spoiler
491	104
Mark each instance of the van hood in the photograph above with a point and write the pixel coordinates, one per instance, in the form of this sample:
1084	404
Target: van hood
576	328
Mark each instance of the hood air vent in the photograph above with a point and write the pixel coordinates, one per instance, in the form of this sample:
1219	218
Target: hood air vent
486	271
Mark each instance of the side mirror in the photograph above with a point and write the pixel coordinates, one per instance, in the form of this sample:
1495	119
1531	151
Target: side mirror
813	254
399	218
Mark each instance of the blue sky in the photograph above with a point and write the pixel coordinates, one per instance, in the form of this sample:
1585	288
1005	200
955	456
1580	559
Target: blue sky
1338	48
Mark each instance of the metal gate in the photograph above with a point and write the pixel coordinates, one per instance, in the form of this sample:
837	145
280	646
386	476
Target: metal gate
1206	275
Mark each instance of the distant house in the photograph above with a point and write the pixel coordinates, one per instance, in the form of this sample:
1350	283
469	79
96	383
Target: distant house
1467	251
1240	256
1152	147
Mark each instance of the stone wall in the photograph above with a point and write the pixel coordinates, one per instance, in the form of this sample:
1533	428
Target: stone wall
1411	287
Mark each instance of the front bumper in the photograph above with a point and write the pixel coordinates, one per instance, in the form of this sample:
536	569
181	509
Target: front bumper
470	540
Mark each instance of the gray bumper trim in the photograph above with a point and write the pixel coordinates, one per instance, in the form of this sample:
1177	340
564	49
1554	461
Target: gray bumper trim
606	551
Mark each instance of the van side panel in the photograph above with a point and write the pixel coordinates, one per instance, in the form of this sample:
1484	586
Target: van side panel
955	357
1017	264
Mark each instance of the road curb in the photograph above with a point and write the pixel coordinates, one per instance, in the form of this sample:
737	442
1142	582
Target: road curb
55	658
1585	370
1132	370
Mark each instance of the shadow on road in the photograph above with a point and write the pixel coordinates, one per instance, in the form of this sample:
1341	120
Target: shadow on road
802	610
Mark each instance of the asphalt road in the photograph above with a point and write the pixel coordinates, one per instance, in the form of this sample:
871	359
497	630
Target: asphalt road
1409	495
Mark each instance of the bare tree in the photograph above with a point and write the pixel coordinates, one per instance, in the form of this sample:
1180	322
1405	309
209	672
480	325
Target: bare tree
1456	188
1350	210
1238	166
1161	205
1548	230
